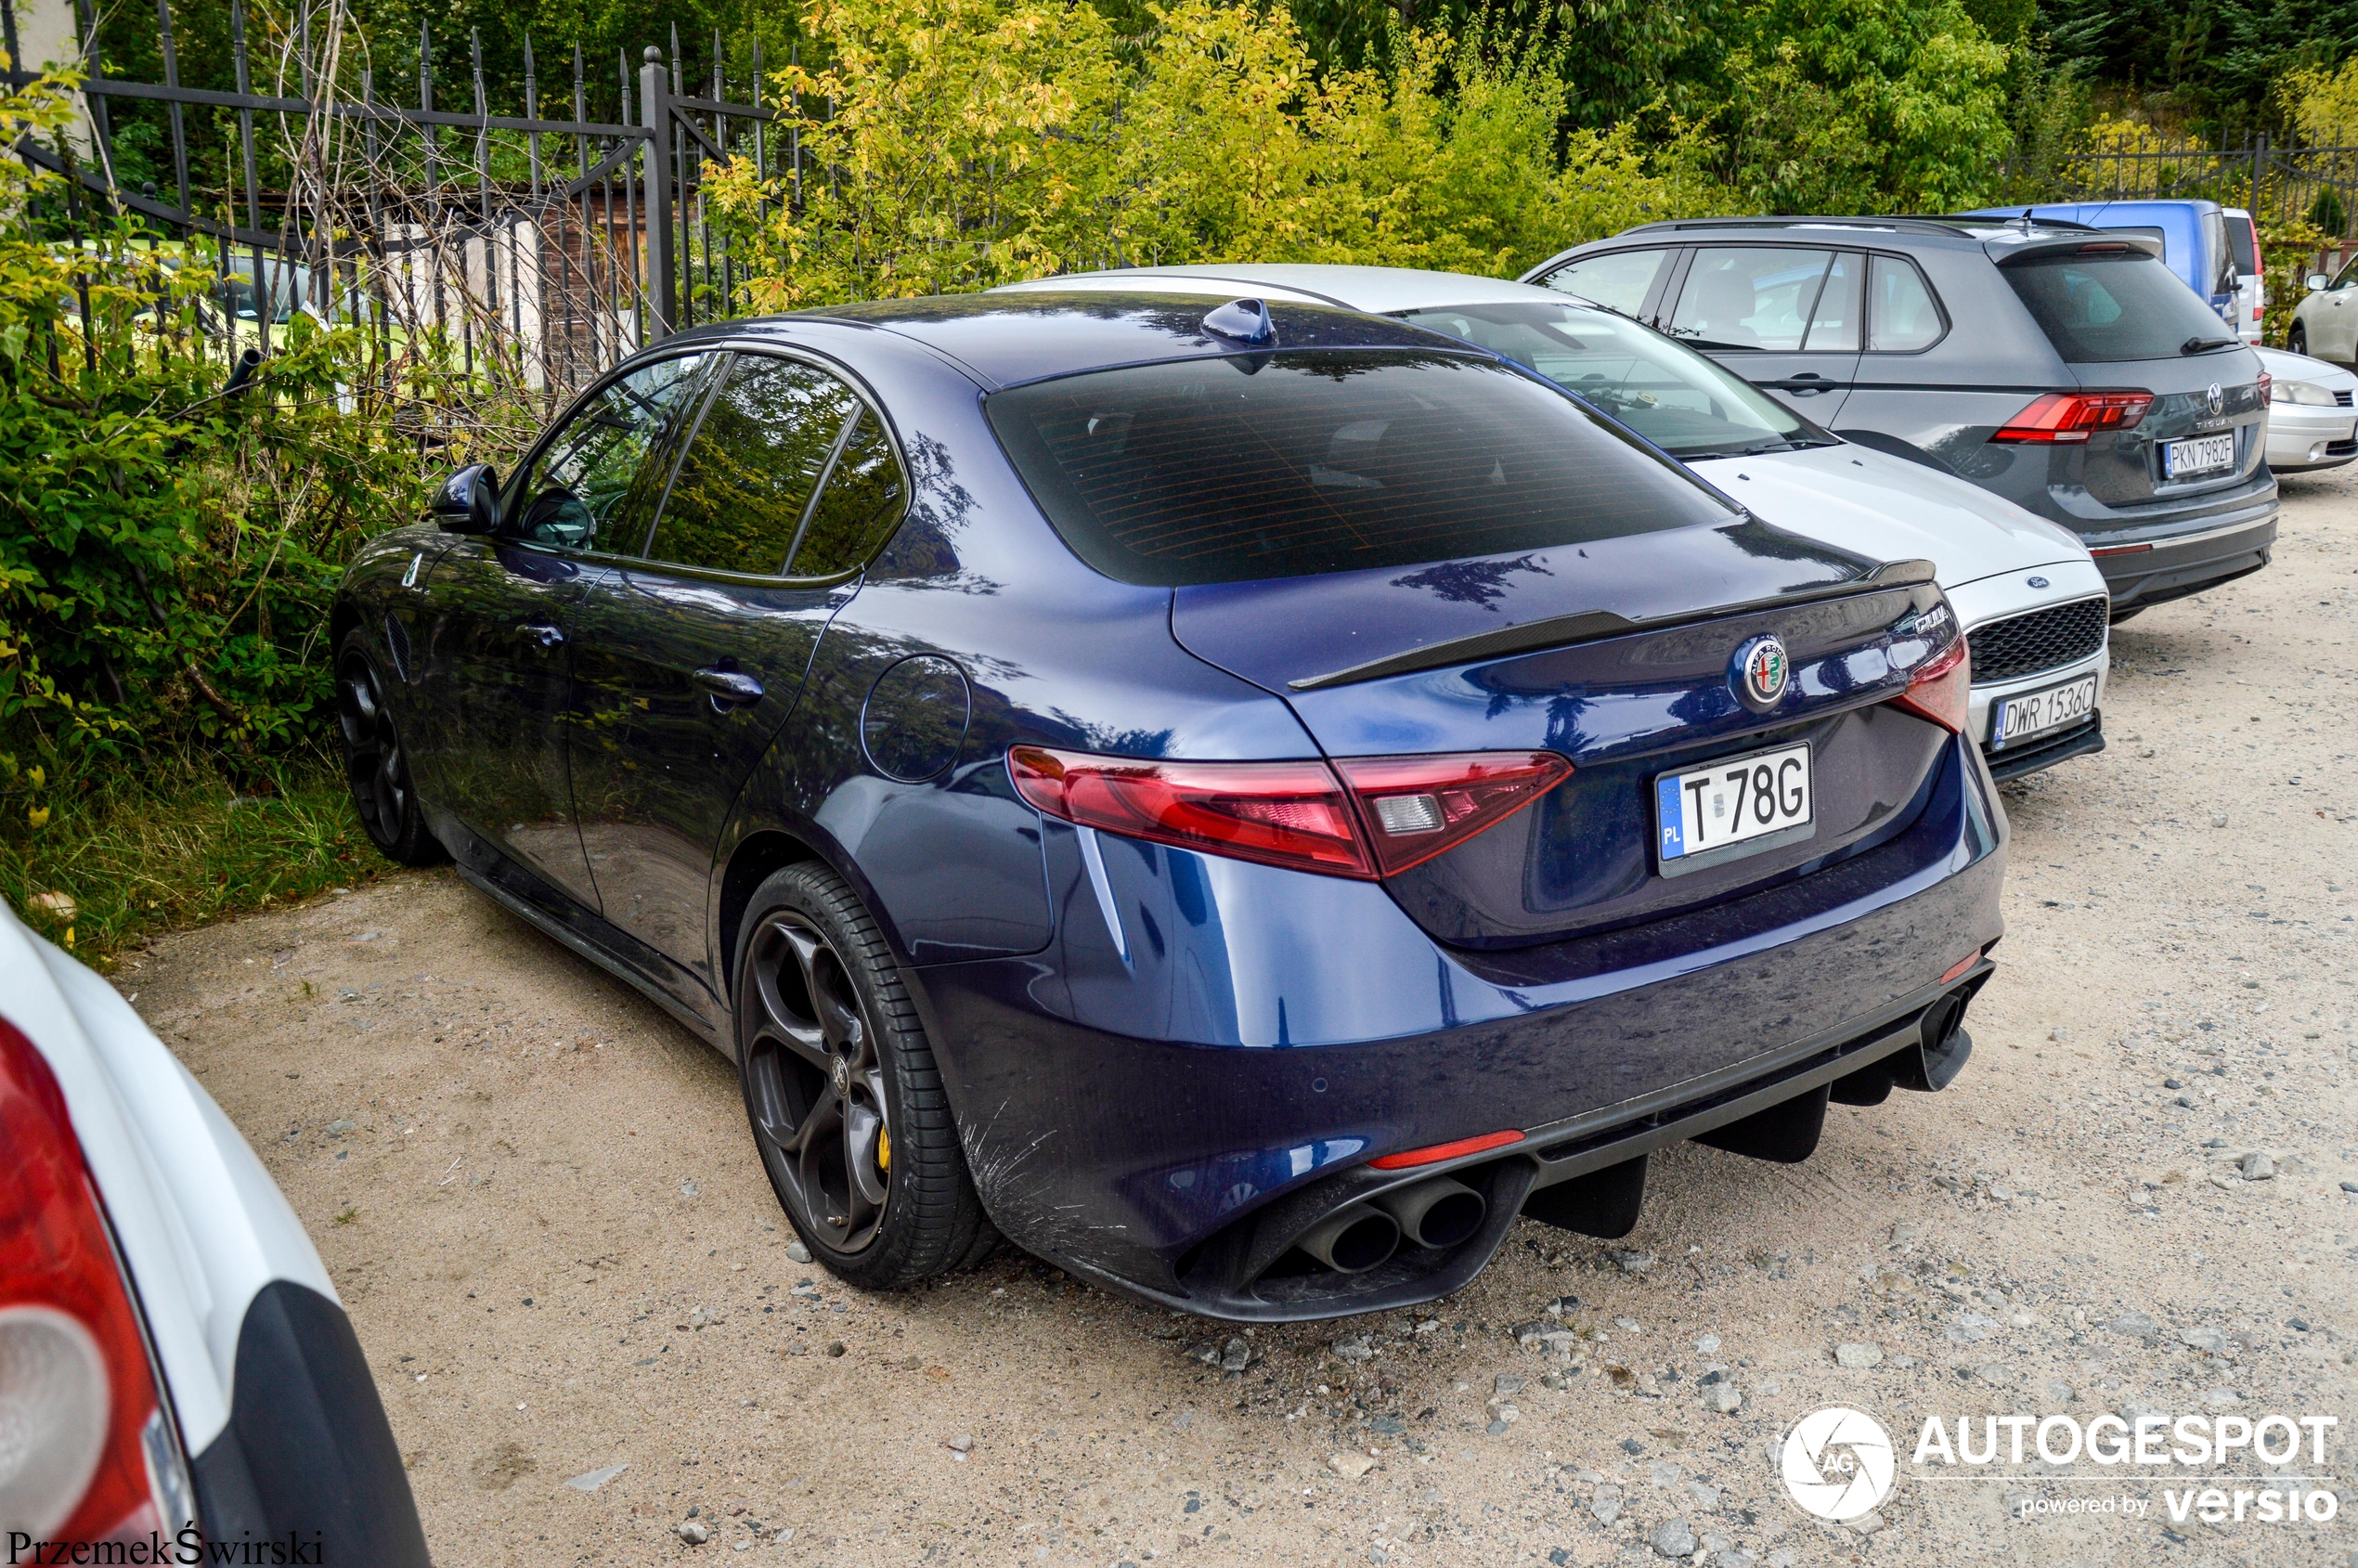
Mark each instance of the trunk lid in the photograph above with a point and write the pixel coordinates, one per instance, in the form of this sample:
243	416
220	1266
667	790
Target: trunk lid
2194	395
1509	653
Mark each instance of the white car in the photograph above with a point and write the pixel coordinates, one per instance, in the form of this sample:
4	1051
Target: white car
176	1375
2312	412
2251	277
2032	602
2324	324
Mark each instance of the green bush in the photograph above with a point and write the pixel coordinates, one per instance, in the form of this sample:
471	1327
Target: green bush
168	549
975	142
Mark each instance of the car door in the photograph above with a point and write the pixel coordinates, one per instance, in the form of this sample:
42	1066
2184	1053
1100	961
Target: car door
2334	333
690	659
1786	317
501	608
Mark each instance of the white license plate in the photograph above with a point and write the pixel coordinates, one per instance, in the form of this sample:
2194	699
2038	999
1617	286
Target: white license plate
1738	804
2205	454
2035	713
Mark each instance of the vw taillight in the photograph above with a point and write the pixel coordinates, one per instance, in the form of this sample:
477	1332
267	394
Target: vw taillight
87	1452
1364	817
2075	416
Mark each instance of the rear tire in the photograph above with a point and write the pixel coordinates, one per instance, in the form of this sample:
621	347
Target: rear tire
842	1093
376	764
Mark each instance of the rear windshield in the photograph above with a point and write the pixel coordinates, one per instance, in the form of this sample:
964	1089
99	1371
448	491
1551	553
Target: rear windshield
1294	464
2104	309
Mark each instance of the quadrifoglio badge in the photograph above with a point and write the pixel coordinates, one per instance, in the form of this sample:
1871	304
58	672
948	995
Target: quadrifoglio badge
1838	1463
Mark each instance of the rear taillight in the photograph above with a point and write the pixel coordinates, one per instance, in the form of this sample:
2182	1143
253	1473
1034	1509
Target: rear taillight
1418	807
1381	816
1942	690
2267	388
86	1451
2075	416
1292	814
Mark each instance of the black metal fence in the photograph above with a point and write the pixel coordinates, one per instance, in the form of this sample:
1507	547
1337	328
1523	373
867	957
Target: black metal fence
533	245
2277	184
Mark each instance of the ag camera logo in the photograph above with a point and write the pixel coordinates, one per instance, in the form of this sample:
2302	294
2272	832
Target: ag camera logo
1838	1463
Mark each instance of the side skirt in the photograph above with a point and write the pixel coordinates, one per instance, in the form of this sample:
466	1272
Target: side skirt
712	1031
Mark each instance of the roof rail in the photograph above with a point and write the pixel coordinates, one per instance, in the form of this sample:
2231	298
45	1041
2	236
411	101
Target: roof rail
1907	223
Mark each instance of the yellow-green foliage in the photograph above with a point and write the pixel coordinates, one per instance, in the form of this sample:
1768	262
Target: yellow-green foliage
975	142
2322	105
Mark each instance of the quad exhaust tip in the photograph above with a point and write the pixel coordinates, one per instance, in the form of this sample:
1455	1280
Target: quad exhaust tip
1352	1239
1439	1212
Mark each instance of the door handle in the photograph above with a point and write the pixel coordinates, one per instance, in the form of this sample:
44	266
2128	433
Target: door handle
729	688
1808	384
541	632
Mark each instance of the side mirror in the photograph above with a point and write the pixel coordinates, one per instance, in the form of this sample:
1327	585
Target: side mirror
2317	281
469	500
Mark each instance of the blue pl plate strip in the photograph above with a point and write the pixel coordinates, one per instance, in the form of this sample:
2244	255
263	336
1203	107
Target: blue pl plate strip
1674	843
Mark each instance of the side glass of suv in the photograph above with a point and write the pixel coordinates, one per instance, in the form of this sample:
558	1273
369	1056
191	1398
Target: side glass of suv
1620	281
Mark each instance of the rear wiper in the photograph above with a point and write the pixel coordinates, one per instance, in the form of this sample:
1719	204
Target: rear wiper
2204	345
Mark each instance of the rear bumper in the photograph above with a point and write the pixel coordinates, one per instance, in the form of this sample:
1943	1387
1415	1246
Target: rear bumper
307	1456
1141	1119
2142	568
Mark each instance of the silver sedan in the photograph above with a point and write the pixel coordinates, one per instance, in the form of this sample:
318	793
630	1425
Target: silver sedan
2312	412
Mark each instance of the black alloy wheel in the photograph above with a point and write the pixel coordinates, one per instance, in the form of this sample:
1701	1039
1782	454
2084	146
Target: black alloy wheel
841	1090
375	763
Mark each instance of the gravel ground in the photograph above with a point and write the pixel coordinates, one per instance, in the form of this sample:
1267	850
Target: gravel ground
539	1201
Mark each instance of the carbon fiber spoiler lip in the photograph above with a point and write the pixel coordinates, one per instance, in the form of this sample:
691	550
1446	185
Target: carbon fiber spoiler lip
1595	626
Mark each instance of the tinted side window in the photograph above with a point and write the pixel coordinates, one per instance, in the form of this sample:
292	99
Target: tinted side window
2243	246
1738	297
1833	325
587	489
860	507
2347	276
743	488
1900	309
1619	280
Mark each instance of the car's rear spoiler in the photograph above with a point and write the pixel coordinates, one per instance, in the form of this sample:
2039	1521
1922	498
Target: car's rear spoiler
1595	626
2010	249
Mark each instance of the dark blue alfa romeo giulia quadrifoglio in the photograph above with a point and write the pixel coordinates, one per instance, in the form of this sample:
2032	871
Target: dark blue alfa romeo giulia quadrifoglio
1242	801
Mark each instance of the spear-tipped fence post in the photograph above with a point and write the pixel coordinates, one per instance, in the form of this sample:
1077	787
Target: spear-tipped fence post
172	107
265	292
663	282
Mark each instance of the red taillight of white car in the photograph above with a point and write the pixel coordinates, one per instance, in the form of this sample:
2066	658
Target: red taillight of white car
1364	817
86	1451
1942	690
2065	416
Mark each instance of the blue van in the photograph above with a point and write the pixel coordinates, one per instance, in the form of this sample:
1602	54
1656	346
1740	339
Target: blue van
2192	234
